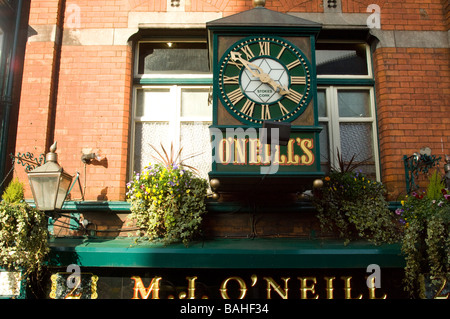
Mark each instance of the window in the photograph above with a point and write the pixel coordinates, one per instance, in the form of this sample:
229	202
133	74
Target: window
171	103
346	106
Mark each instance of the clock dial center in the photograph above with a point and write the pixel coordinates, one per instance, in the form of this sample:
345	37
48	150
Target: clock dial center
265	80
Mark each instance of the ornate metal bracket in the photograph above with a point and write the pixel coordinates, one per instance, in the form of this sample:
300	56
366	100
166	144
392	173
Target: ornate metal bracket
28	160
415	164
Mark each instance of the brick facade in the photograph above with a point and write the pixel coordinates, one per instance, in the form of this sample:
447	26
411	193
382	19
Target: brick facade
78	71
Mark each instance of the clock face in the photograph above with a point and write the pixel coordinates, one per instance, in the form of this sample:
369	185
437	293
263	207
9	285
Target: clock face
264	78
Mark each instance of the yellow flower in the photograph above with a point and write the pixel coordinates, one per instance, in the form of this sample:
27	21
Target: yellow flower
187	191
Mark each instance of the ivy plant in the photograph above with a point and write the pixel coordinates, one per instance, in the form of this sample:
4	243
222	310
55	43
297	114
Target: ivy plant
23	232
354	207
426	241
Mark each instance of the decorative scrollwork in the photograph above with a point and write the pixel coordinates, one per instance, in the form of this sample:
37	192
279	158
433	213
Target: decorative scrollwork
28	160
415	164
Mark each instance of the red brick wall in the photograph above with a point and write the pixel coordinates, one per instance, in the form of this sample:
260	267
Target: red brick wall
404	15
90	90
93	112
413	94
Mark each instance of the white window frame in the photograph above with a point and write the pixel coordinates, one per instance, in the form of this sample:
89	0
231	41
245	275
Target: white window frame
350	76
333	121
175	83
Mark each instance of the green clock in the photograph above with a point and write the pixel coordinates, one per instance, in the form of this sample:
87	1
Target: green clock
264	78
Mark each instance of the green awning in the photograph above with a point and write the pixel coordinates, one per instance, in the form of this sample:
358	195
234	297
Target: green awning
260	253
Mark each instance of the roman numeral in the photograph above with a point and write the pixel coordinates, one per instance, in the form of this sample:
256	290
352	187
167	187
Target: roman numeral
294	96
264	48
248	107
235	96
265	113
235	63
298	80
248	52
281	52
231	79
293	64
283	110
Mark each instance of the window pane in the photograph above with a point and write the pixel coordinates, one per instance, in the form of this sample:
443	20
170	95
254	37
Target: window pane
356	140
1	43
341	59
324	148
322	103
353	103
146	134
154	103
195	140
194	102
179	58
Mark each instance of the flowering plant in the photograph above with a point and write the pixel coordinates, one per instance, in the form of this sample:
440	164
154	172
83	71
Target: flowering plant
354	206
167	202
426	241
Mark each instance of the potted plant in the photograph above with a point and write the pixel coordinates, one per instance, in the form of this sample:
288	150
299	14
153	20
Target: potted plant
167	200
353	206
23	233
426	241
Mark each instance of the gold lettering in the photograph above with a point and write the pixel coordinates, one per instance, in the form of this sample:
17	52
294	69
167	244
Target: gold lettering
240	151
242	287
191	287
348	288
271	283
145	292
265	112
281	52
294	96
298	80
248	107
231	79
304	288
248	52
254	157
283	110
441	288
372	290
264	48
235	96
329	288
224	151
291	158
293	64
306	145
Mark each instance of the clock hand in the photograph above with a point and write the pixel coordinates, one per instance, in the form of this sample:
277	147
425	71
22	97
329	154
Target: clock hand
264	77
235	56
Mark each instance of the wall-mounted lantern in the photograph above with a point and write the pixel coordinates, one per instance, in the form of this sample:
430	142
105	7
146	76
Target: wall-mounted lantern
49	183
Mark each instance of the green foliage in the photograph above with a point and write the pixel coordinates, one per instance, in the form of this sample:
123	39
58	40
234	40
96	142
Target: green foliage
167	202
14	192
354	207
23	237
435	186
426	242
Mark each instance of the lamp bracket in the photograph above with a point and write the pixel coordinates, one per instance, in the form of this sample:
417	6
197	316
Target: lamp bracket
28	160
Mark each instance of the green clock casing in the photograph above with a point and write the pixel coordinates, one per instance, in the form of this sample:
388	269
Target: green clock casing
264	78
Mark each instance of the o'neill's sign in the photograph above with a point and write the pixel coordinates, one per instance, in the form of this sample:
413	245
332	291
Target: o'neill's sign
259	151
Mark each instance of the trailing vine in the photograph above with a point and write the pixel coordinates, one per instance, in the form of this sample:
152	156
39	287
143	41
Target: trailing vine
23	233
354	207
426	243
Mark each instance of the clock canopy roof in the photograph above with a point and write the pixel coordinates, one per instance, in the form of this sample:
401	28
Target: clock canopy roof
261	17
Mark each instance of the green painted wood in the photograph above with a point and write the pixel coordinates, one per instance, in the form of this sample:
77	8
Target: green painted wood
223	253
